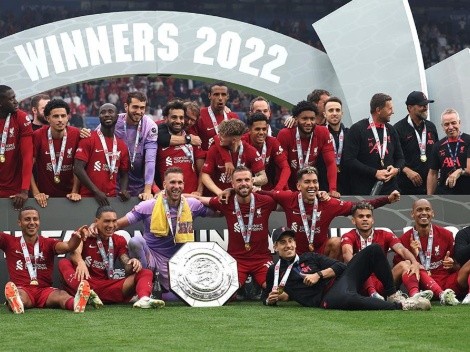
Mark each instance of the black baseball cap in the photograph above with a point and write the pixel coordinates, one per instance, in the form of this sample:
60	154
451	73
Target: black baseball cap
282	231
417	98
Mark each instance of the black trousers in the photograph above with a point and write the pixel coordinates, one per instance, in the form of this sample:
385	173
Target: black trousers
344	294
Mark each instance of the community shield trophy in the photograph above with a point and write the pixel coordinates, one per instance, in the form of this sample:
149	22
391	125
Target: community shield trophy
203	274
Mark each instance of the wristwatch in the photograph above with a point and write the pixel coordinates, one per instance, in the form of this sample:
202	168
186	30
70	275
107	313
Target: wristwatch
187	139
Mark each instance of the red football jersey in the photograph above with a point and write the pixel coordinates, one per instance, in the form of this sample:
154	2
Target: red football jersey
385	239
321	144
215	165
274	162
11	169
92	257
327	211
205	127
175	156
44	171
443	241
91	152
16	264
264	205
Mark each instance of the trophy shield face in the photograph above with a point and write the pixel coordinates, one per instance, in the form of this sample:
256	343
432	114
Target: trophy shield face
203	274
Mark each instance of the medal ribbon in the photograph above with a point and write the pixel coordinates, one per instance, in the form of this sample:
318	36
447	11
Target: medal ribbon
168	214
112	163
455	155
286	274
426	262
136	142
29	265
338	149
5	135
299	150
422	139
245	230
188	151
56	166
263	153
381	151
214	120
108	260
240	153
367	242
309	232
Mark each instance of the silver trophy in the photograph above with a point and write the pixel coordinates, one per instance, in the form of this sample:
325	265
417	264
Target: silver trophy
203	274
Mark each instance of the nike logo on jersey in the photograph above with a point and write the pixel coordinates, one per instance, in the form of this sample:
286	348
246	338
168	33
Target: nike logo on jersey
210	128
91	246
165	148
98	150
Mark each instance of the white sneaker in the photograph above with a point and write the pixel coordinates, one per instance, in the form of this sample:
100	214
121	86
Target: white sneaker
416	303
13	298
81	297
147	302
447	298
466	300
424	294
95	300
397	297
377	295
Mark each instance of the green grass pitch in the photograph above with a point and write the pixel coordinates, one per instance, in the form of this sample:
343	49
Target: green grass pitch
237	326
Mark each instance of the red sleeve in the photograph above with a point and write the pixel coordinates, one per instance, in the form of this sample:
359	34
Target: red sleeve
391	239
199	153
124	163
284	140
83	152
121	245
348	238
233	115
209	164
379	202
280	160
328	154
224	153
215	204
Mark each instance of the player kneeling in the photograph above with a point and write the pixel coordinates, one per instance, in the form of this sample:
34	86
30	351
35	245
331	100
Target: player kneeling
94	261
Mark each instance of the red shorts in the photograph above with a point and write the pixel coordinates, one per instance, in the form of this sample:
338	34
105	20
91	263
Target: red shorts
109	291
256	267
450	281
38	295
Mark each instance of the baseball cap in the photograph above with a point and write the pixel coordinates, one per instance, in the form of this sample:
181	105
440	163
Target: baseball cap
417	98
282	231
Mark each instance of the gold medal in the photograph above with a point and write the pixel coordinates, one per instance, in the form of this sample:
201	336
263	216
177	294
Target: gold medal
310	247
34	282
382	162
338	168
56	179
247	247
2	158
423	158
280	290
429	272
